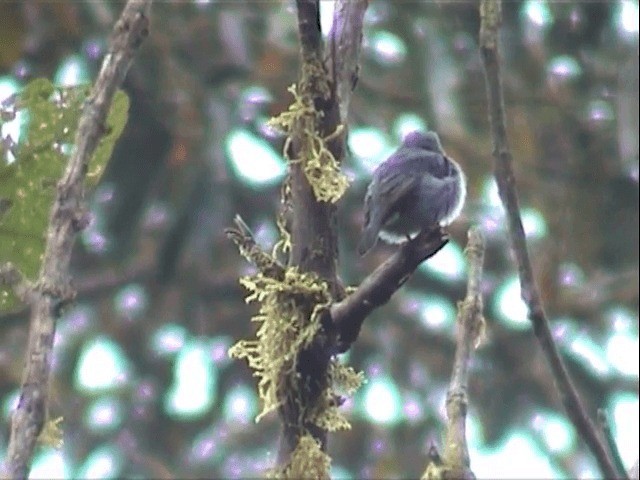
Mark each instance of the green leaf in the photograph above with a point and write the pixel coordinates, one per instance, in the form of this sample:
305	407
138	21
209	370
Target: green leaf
28	185
116	121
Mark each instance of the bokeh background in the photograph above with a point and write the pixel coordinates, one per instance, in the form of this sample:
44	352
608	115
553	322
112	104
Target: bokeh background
141	374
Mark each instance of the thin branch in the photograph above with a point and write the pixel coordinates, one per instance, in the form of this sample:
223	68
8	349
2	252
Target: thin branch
208	284
605	428
491	17
376	290
345	43
249	249
454	463
470	331
52	289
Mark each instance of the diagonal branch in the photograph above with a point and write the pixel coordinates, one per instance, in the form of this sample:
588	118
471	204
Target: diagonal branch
605	428
52	289
242	236
376	290
490	17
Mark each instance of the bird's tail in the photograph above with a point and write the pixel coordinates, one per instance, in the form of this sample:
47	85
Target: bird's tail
369	238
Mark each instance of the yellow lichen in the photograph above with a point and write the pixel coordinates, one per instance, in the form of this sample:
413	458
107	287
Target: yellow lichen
291	304
319	165
297	111
314	77
433	472
284	244
284	331
322	169
349	289
343	380
51	434
307	461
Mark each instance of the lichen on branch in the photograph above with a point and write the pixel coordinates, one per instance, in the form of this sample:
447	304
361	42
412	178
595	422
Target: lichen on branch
51	434
343	382
307	461
283	331
300	123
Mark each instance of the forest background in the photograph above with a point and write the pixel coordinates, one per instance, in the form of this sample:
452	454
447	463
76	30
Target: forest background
141	373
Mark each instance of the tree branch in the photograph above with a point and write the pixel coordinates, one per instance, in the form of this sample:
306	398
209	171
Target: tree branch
470	331
52	289
314	245
605	428
345	43
376	290
454	463
491	17
244	240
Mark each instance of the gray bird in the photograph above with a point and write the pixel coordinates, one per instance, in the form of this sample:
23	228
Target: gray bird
415	188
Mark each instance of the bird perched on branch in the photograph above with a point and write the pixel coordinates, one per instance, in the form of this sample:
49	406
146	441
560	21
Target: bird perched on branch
416	188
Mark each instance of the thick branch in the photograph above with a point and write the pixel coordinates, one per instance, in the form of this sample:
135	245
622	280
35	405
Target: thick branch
52	290
314	245
376	290
309	27
490	13
313	240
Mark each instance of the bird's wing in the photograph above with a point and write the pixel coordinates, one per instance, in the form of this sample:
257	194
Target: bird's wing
381	201
400	174
392	190
442	196
396	177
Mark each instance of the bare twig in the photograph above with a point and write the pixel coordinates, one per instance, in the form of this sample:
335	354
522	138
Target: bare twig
454	463
605	428
52	288
491	16
470	323
243	238
375	290
470	332
345	43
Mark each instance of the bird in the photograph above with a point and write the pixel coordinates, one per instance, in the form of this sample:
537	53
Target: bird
416	188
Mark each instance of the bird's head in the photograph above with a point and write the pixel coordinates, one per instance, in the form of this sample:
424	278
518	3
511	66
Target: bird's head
423	140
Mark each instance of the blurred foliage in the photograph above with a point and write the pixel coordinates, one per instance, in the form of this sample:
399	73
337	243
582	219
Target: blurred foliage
571	83
27	184
12	31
